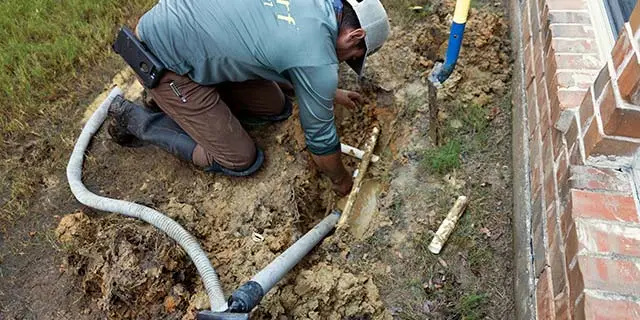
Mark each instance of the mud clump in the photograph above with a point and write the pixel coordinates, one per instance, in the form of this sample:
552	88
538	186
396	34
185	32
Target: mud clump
124	265
326	292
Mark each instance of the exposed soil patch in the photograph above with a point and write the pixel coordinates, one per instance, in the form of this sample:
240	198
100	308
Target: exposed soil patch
127	269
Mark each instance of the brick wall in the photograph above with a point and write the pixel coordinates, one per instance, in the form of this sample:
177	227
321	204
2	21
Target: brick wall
583	128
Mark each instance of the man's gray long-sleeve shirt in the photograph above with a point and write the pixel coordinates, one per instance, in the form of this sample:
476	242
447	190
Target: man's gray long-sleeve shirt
214	41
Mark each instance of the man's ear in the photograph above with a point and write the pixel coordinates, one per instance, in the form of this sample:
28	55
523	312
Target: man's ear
356	35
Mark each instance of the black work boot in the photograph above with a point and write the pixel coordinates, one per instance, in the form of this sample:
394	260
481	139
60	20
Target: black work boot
132	124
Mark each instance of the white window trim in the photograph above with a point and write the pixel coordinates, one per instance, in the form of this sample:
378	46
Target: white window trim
601	28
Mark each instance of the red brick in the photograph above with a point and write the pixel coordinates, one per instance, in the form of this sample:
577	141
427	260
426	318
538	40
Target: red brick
544	299
562	179
575	45
526	27
528	63
571	98
613	146
566	220
557	141
551	68
586	109
624	122
603	273
549	188
607	104
536	173
572	134
567	4
564	193
610	238
621	49
546	42
532	108
527	52
541	95
569	17
578	61
577	311
562	305
629	78
591	137
544	121
547	153
554	109
576	289
571	31
539	250
599	179
562	168
575	154
575	80
534	20
634	20
603	205
538	61
573	246
609	309
544	21
600	82
550	227
558	266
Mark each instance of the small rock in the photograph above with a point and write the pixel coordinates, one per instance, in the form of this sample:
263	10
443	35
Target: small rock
280	138
169	304
456	124
427	306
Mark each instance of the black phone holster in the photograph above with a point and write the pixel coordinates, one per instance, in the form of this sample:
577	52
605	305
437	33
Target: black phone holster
138	56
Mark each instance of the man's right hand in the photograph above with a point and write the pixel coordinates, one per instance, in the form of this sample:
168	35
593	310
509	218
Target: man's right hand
331	165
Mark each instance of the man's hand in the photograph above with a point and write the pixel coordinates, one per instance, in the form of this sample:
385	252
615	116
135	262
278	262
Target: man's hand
331	165
349	99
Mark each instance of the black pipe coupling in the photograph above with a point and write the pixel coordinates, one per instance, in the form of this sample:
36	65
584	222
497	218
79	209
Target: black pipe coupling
246	297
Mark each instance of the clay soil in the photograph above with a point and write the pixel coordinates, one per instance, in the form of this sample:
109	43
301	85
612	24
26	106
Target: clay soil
85	264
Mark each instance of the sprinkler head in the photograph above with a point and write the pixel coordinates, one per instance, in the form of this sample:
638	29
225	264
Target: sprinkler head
210	315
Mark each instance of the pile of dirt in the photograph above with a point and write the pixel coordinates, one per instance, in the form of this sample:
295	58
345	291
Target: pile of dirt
126	267
325	292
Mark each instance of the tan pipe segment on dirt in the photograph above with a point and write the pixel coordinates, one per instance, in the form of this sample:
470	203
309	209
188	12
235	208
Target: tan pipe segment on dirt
362	170
447	226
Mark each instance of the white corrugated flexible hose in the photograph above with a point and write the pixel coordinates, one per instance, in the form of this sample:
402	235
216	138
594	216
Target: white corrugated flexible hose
157	219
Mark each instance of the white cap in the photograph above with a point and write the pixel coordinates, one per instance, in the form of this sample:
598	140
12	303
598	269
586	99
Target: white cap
373	19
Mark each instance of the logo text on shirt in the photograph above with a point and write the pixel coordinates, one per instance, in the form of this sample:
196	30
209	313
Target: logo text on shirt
282	3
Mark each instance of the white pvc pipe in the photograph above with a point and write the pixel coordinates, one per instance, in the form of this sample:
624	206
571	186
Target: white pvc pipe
355	152
159	220
279	267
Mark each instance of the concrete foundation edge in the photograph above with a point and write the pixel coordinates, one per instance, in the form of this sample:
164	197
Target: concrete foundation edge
524	293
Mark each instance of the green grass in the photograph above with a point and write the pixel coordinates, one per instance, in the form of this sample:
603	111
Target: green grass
50	53
470	306
442	159
46	45
400	13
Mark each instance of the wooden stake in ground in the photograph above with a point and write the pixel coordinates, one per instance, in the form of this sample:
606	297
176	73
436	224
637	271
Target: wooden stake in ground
362	170
448	224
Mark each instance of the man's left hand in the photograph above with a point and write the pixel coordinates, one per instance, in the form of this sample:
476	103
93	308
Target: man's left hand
349	99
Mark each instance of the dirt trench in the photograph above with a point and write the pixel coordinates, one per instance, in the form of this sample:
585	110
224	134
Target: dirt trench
127	269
